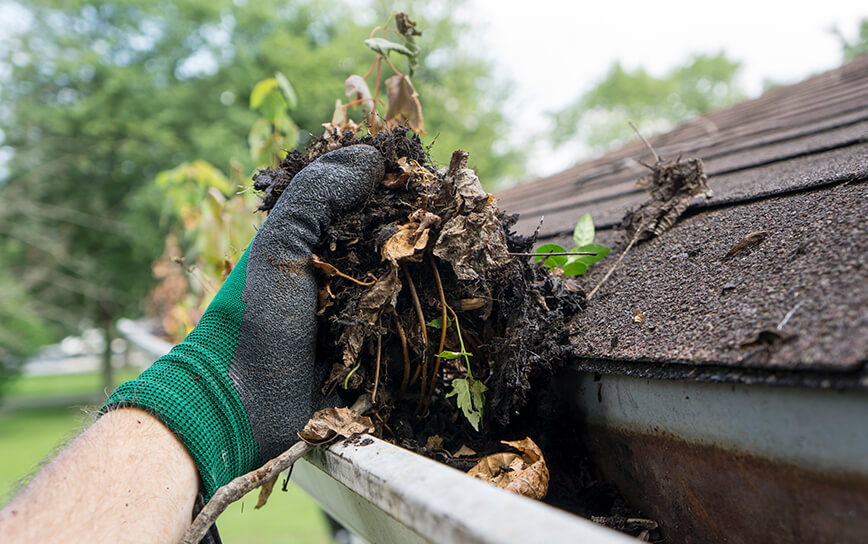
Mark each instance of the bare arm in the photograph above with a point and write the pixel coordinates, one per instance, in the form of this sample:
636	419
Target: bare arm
126	479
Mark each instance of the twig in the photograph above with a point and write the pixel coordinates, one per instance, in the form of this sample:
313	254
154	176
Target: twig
377	369
564	253
789	315
239	487
442	331
403	338
418	306
647	143
618	262
246	483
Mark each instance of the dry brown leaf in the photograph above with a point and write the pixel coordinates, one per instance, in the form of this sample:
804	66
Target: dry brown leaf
329	423
394	180
323	266
357	89
382	295
265	492
464	451
325	297
671	186
406	244
416	171
473	244
434	443
404	102
525	474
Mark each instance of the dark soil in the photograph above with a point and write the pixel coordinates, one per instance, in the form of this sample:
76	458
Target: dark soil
513	317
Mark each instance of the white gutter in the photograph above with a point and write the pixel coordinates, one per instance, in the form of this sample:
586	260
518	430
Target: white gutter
384	494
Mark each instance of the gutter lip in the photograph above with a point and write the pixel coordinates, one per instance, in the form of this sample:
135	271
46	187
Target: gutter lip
819	430
437	502
848	379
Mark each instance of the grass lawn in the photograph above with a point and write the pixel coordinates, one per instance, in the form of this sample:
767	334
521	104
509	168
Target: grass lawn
28	435
67	384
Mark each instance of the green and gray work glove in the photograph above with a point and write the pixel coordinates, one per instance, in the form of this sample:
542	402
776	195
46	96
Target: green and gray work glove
244	381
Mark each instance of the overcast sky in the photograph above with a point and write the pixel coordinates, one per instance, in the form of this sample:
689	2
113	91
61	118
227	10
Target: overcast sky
554	50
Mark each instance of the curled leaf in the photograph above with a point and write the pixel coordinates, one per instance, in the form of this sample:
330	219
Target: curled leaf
525	473
406	244
357	89
404	103
329	423
383	47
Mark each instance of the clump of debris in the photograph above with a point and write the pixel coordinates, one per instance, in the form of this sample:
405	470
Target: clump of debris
424	305
419	288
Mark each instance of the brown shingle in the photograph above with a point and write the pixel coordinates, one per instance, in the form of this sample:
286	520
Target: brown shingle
793	164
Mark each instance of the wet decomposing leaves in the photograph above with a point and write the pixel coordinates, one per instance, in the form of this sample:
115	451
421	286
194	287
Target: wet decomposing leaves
523	473
329	423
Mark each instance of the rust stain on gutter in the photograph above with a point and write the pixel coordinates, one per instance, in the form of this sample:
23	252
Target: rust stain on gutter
707	494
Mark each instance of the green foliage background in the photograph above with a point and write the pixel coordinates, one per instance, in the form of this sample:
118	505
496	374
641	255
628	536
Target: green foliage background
599	118
98	97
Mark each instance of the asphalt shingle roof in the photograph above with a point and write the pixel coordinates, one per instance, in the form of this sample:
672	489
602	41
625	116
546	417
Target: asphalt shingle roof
792	164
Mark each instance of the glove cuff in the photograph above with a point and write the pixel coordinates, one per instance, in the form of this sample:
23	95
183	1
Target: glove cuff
190	391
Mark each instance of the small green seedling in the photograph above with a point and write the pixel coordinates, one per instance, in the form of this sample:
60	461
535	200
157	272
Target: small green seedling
574	265
469	392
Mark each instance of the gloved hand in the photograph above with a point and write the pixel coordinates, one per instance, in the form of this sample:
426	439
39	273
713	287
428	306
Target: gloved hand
244	381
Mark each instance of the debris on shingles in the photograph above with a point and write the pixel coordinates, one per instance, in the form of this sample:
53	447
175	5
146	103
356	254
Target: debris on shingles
749	241
671	186
770	339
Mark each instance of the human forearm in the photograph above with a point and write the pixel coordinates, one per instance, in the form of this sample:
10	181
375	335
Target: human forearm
126	479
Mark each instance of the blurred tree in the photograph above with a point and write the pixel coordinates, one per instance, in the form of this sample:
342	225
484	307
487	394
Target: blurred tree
859	46
97	97
599	117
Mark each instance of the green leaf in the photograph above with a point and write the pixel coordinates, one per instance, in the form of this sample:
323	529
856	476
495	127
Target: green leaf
470	398
575	268
584	232
600	250
384	47
438	323
260	90
288	91
268	99
551	262
453	354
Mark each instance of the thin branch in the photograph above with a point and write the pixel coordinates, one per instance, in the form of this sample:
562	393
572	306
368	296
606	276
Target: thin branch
647	143
377	370
618	262
403	338
246	483
239	487
442	331
415	296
